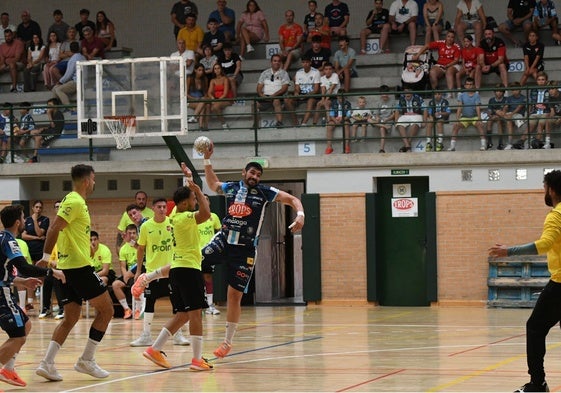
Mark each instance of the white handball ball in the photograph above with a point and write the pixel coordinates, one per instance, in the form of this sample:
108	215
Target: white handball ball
202	144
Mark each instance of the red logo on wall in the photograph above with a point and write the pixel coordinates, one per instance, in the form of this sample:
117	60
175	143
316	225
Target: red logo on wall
239	210
403	204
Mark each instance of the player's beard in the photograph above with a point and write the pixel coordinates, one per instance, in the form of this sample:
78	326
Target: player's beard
548	200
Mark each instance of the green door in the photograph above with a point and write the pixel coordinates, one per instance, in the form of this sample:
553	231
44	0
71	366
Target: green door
401	241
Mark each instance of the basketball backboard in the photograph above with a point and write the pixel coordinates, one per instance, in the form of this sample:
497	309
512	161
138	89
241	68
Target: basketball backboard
150	89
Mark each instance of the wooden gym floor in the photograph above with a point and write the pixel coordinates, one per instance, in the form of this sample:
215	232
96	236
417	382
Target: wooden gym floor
336	349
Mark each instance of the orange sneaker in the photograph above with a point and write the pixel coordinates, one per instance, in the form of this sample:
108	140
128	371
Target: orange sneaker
222	350
127	314
157	357
137	314
200	365
138	286
11	377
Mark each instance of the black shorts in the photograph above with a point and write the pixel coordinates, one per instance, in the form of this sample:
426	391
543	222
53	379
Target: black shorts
376	29
265	105
187	289
157	289
496	70
81	284
239	260
12	317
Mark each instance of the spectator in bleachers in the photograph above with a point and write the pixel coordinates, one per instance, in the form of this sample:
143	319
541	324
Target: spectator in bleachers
519	15
321	30
36	54
409	110
515	114
84	21
26	125
306	83
555	115
310	19
105	29
188	56
197	88
45	135
59	27
191	33
384	115
377	22
545	14
213	38
403	18
5	25
179	13
51	60
67	84
492	57
273	83
27	28
92	46
291	36
361	116
7	124
433	11
437	113
318	54
339	115
12	55
344	62
232	65
496	111
470	15
226	18
329	85
448	61
533	57
539	110
338	15
219	90
65	54
468	113
252	28
208	61
469	64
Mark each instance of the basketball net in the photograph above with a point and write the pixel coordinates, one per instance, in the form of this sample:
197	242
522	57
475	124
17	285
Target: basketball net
121	127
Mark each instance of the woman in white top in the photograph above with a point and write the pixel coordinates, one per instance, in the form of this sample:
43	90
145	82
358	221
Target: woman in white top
433	11
35	59
470	15
53	57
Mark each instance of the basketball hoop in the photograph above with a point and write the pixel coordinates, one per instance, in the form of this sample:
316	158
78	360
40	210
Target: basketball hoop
122	128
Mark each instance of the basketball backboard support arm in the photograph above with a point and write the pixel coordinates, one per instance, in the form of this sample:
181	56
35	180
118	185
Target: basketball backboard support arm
180	156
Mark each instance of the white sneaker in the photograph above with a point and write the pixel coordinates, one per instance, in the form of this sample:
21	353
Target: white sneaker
59	316
546	146
211	310
48	371
249	48
508	147
143	341
90	367
192	119
225	126
179	339
451	148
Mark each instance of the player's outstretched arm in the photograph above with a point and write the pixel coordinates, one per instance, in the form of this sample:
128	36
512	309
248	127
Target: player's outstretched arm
211	179
290	200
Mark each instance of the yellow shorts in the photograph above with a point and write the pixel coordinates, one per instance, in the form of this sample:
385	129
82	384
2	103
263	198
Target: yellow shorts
469	121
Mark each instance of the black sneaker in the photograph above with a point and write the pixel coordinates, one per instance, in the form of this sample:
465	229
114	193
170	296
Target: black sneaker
501	146
533	387
489	146
519	145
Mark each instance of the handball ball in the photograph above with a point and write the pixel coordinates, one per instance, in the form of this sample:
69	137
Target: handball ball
202	144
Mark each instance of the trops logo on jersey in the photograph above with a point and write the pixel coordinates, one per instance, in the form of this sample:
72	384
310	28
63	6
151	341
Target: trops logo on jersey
239	210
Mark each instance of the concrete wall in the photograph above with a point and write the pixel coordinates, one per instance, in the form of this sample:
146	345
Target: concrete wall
145	25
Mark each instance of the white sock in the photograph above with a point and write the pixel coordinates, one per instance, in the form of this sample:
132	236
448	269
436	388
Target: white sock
483	142
124	304
148	317
29	300
22	295
197	345
209	298
52	350
428	140
11	363
230	331
440	138
453	143
164	335
154	275
89	351
547	140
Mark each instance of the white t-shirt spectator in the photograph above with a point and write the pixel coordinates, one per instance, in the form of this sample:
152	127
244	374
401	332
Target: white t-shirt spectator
187	55
403	12
328	82
307	80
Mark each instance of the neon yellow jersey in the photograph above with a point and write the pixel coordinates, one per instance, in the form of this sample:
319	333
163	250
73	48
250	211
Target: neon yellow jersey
157	237
101	256
74	240
550	242
187	252
207	229
53	261
127	253
125	219
24	250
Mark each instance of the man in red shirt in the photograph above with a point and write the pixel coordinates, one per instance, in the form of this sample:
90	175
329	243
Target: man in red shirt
448	60
92	46
493	56
290	39
469	65
11	57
